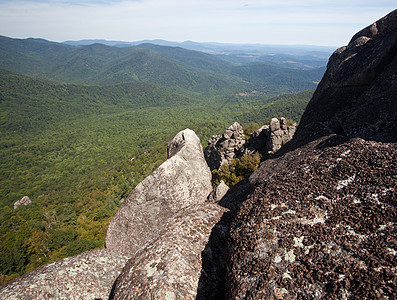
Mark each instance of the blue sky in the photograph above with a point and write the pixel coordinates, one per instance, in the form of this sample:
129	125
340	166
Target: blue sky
309	22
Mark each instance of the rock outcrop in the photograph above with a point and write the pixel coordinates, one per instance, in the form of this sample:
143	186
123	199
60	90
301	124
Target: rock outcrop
181	181
318	220
222	148
89	275
25	200
164	225
321	224
232	143
169	267
270	138
356	97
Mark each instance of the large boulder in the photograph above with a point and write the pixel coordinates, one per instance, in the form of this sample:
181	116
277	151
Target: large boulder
356	97
24	201
89	275
233	143
184	179
318	220
320	224
218	192
169	267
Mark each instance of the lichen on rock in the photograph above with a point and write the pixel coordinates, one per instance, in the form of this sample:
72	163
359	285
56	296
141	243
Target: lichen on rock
268	139
170	265
89	275
222	149
319	220
184	179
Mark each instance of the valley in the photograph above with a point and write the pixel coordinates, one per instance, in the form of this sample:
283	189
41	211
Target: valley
81	126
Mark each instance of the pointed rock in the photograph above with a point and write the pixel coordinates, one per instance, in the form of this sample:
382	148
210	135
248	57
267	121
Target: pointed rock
357	95
222	148
182	180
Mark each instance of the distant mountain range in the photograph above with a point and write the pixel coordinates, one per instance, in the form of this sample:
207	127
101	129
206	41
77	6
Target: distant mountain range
234	69
294	56
81	125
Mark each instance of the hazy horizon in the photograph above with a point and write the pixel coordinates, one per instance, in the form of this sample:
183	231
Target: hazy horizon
268	22
192	41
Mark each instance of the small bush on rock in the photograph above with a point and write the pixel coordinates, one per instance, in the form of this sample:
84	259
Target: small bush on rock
237	170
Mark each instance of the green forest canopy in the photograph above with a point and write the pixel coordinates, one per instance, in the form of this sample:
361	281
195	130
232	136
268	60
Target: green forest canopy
77	150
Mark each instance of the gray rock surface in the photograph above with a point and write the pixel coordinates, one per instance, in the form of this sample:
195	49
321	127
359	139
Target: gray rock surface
280	135
222	148
232	143
181	181
25	200
356	97
169	267
218	192
270	138
319	223
89	275
318	219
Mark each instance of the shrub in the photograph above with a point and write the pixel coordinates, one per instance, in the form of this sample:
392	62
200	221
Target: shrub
251	128
237	170
11	261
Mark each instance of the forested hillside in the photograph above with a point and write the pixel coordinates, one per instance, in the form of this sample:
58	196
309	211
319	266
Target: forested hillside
77	150
296	57
99	64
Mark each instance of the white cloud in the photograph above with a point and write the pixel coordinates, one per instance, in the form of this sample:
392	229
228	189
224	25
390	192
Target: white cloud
269	21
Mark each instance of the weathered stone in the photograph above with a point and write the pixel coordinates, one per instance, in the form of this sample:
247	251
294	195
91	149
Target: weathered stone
356	97
218	192
169	267
183	180
89	275
24	201
321	216
232	143
221	149
274	124
283	123
179	141
269	138
318	219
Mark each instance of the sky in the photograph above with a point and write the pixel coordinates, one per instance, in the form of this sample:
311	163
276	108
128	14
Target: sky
285	22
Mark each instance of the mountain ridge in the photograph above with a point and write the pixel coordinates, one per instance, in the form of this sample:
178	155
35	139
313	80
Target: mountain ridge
292	56
98	64
316	220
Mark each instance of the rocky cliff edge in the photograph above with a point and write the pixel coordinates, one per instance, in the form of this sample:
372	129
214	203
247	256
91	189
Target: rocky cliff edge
184	179
318	220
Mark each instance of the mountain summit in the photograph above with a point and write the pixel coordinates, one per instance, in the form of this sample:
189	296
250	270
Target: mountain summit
357	95
316	220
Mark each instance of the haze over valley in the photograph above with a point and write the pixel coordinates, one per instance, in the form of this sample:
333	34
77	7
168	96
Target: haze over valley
93	119
84	122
